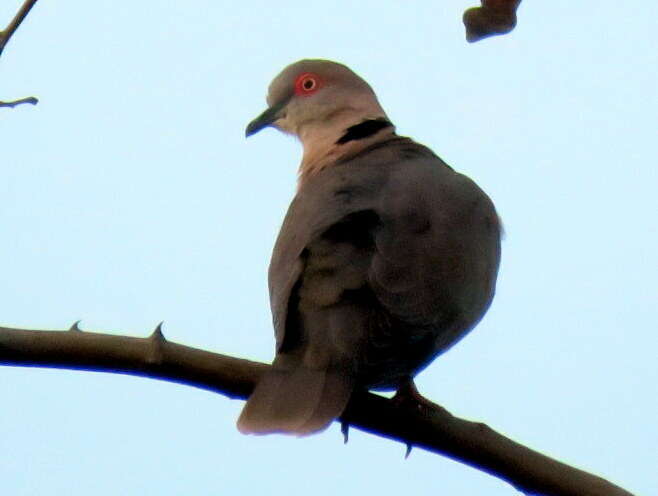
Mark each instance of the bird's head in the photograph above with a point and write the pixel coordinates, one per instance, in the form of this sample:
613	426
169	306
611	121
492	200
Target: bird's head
319	101
316	93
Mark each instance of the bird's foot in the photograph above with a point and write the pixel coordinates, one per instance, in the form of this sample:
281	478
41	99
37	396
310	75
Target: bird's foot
408	396
345	430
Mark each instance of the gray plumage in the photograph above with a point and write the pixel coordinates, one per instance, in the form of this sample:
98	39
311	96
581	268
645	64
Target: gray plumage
385	259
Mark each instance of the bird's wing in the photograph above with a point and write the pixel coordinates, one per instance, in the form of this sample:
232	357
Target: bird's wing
321	207
318	334
437	250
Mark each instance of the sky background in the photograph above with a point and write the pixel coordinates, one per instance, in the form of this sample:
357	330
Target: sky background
130	196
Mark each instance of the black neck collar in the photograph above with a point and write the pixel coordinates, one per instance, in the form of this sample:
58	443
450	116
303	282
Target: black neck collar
364	129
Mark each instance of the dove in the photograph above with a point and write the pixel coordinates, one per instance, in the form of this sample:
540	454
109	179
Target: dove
385	259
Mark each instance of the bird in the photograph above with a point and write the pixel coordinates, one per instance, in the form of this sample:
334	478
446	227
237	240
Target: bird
386	257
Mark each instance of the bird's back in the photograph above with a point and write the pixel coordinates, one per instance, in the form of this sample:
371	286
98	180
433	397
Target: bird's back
397	234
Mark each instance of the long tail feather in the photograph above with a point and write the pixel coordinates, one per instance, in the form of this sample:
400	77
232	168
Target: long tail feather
299	400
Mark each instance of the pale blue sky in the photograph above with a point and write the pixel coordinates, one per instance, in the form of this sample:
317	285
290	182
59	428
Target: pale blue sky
130	196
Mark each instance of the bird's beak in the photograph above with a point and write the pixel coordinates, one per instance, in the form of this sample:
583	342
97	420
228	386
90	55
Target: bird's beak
267	118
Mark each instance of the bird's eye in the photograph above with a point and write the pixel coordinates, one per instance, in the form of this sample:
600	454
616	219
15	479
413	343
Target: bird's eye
307	84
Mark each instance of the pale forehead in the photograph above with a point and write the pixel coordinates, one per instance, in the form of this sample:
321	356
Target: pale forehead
331	72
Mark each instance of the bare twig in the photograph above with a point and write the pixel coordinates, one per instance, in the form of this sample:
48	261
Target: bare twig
5	36
494	17
30	99
430	428
11	28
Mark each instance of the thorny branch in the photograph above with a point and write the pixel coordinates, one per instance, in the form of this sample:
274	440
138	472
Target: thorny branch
428	427
5	36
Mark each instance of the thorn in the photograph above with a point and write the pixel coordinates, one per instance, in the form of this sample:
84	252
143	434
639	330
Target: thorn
155	352
345	429
157	333
75	327
408	452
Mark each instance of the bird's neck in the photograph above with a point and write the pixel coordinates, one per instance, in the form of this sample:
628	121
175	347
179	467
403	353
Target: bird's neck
327	143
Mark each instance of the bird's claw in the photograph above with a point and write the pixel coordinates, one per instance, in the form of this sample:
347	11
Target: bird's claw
345	430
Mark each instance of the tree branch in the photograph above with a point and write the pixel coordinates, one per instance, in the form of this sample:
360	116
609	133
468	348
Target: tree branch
30	99
6	35
11	28
494	17
429	427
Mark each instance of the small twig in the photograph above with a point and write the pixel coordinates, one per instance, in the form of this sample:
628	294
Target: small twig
5	36
11	28
433	429
30	99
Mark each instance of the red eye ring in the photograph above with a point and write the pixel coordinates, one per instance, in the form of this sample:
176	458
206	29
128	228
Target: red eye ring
306	84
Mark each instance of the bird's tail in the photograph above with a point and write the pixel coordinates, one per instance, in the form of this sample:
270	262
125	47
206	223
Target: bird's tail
294	398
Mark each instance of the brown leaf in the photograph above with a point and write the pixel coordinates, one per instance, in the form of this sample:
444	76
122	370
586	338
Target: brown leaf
493	18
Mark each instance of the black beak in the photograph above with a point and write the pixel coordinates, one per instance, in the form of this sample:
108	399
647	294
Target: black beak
267	118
